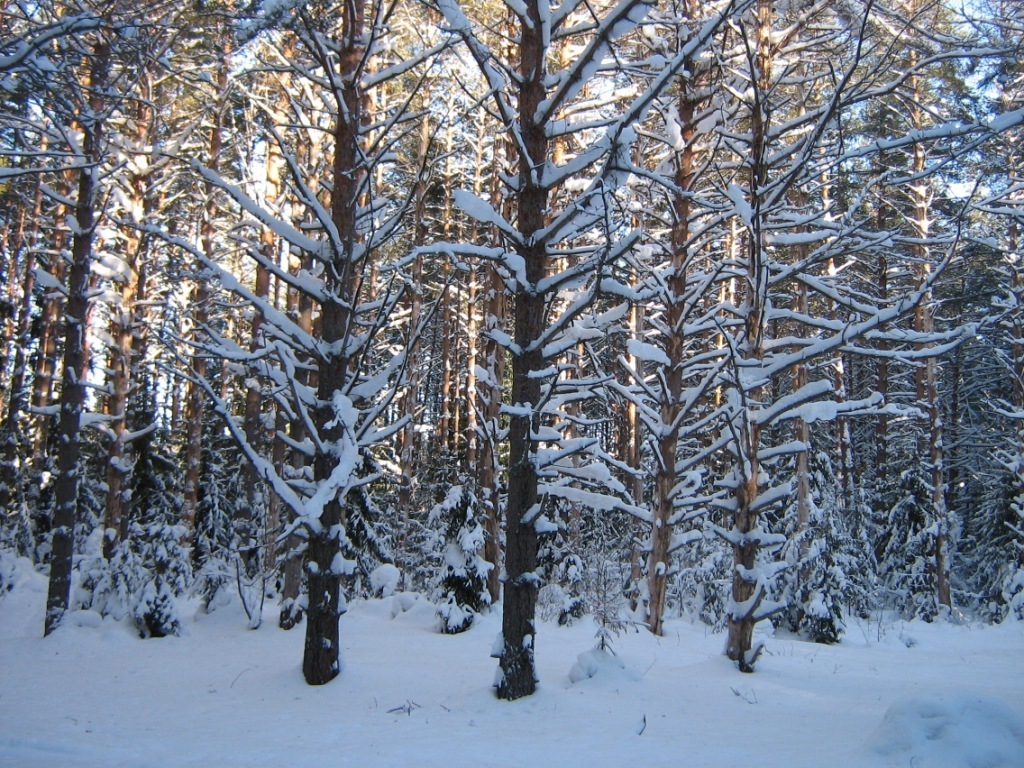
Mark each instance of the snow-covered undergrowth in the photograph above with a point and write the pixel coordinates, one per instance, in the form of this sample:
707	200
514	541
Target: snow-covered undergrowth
891	694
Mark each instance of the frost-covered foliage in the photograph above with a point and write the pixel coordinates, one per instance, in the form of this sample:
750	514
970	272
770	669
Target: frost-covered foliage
1013	593
168	574
700	589
212	538
109	587
8	570
17	532
1013	582
461	590
142	581
825	578
150	567
605	593
562	597
907	565
368	543
991	549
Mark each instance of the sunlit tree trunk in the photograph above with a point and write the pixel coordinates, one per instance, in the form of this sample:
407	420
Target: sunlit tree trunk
76	311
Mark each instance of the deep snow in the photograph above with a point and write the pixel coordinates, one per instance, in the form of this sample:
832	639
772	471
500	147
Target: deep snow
891	694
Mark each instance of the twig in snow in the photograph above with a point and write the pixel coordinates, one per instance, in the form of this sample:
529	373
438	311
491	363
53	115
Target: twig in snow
408	707
749	701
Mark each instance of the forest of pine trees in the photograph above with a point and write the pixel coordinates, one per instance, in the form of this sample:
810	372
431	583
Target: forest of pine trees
637	308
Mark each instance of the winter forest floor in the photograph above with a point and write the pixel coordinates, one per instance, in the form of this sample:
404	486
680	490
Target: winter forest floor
891	694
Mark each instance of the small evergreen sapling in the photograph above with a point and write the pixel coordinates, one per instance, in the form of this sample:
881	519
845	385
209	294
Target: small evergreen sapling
166	565
608	604
1013	585
462	588
907	563
564	575
816	585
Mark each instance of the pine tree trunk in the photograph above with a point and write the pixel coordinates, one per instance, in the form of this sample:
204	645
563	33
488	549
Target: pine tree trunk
125	347
924	323
251	517
11	443
745	542
492	392
321	661
46	355
72	398
487	466
409	404
199	300
666	477
518	676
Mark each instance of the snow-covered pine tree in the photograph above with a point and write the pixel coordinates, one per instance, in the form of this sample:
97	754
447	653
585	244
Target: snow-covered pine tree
792	305
557	237
825	579
672	363
999	552
80	78
461	590
340	226
210	530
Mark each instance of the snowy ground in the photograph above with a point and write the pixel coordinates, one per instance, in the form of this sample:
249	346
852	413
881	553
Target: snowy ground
891	694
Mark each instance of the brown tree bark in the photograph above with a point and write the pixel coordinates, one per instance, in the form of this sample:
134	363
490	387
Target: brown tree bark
200	299
126	335
518	675
12	435
72	397
666	478
49	330
321	661
409	405
745	543
492	390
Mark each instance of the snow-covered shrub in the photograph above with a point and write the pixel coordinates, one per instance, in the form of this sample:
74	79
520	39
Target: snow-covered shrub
384	580
701	586
8	571
213	531
108	587
142	580
608	602
366	542
1013	594
564	575
818	587
561	565
167	575
551	600
16	528
1005	544
461	590
907	565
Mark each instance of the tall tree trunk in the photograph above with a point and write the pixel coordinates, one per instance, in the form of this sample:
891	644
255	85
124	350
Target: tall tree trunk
666	479
492	388
12	436
300	305
321	660
72	398
488	463
518	676
199	300
124	352
49	329
409	405
746	598
927	374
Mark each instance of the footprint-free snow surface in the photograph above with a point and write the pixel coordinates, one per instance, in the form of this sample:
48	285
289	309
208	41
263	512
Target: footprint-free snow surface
890	694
